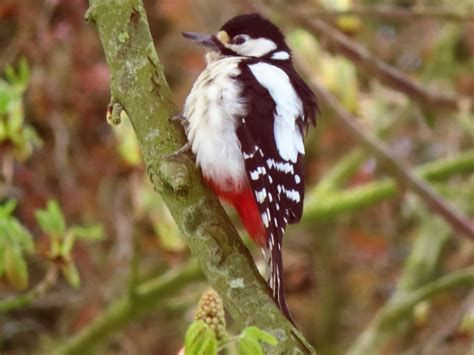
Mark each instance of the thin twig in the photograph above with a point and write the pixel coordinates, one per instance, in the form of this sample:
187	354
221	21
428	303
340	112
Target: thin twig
397	13
398	306
355	198
35	293
447	328
419	268
399	170
125	310
366	61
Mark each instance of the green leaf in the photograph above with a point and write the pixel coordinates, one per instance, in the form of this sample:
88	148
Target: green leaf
19	234
10	74
23	72
16	121
57	216
93	232
209	345
45	222
2	251
248	346
15	268
249	341
7	208
4	100
67	244
258	334
51	219
71	275
200	340
194	331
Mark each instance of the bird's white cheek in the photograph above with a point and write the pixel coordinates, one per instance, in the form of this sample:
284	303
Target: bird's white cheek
254	47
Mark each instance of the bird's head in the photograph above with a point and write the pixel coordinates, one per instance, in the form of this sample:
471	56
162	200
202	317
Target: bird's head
249	35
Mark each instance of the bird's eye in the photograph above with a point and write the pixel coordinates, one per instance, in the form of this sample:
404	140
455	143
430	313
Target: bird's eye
238	40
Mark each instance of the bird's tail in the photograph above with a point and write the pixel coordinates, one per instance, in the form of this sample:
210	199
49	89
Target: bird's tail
244	203
274	258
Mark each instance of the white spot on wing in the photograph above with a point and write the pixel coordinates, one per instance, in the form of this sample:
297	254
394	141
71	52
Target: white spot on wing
254	175
261	195
293	195
283	167
265	219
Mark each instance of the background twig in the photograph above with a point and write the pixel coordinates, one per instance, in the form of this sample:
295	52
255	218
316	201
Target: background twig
128	308
337	201
405	176
398	13
43	287
366	61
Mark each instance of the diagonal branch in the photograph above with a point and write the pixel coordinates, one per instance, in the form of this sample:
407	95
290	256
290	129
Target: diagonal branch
399	170
366	61
353	199
126	309
139	86
389	316
43	287
399	13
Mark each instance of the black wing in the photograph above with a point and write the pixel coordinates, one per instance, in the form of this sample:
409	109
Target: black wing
278	185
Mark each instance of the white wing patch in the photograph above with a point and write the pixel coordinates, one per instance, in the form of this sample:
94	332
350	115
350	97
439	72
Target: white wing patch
289	107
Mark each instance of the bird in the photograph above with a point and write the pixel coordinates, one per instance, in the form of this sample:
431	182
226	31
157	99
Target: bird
245	119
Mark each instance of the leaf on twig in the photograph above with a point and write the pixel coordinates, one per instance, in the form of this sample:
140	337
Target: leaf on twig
51	220
200	339
249	343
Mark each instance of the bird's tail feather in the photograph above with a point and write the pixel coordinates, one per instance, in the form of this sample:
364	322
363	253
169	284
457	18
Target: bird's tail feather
274	258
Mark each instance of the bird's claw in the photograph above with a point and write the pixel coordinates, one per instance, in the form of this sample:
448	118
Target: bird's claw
178	118
184	149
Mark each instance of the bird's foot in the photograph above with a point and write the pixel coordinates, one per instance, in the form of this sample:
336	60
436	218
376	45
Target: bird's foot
179	119
184	149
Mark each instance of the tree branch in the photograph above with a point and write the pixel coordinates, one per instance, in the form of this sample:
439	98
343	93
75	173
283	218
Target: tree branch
446	329
398	13
373	66
336	202
386	322
404	175
24	300
412	287
340	173
139	86
128	308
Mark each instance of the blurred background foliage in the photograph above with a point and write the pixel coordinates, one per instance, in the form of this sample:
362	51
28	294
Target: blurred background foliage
75	199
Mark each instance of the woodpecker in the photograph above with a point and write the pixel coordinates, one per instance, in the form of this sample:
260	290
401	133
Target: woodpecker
245	119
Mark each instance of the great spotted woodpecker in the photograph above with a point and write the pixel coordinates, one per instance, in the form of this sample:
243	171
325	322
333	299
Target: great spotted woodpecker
245	120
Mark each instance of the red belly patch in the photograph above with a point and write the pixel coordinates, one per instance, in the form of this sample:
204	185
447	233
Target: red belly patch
244	202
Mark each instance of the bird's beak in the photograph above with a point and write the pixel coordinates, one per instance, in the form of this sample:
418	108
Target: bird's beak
208	41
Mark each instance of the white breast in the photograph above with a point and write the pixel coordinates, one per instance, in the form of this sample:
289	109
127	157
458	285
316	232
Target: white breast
211	109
